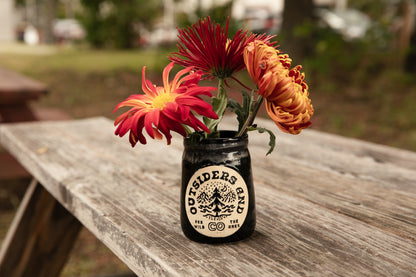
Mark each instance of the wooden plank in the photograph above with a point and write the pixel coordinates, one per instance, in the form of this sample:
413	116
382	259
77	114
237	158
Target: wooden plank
389	209
16	88
40	238
129	198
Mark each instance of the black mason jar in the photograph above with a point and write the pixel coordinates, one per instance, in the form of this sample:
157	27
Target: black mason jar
217	193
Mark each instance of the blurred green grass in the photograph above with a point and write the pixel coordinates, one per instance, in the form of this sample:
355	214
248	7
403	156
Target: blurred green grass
83	60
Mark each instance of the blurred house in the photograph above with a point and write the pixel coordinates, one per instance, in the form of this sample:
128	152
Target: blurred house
35	22
6	20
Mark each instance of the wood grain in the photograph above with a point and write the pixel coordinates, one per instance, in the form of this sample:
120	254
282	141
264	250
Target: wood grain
326	205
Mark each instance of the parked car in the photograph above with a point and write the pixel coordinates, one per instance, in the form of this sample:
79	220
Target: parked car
351	24
68	30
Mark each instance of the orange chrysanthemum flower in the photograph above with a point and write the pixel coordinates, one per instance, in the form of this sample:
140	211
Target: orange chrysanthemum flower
205	45
284	90
164	109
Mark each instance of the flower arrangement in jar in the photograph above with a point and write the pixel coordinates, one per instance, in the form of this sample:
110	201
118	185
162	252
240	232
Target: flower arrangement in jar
217	198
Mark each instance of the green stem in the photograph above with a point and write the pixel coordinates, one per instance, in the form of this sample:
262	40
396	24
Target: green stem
222	95
219	105
251	117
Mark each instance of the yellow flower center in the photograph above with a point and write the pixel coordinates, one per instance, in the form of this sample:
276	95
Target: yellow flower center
159	102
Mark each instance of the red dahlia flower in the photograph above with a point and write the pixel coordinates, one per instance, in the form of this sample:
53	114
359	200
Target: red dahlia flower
284	89
205	45
164	109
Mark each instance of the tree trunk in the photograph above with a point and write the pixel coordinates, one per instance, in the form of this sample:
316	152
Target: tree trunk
297	13
410	59
407	36
46	17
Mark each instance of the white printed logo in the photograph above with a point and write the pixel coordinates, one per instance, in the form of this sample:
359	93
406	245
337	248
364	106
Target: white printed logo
216	201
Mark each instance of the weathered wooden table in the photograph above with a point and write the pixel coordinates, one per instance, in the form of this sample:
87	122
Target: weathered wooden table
326	205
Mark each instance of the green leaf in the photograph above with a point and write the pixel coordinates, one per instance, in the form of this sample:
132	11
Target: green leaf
242	112
236	108
196	137
272	140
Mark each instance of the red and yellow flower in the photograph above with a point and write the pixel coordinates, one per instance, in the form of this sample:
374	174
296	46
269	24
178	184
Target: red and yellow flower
205	45
284	90
163	109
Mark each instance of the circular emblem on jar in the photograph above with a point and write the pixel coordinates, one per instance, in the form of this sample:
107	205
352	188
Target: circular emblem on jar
216	201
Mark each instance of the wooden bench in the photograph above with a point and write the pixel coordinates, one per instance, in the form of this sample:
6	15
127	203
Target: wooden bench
16	93
326	205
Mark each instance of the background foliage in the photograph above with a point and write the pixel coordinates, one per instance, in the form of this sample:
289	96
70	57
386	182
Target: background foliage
115	23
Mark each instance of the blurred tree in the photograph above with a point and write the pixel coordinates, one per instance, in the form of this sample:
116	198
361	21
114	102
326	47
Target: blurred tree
296	15
375	9
398	20
48	10
410	60
93	24
114	22
407	34
218	13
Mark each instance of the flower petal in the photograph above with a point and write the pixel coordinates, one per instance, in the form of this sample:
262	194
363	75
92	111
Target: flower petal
164	109
284	89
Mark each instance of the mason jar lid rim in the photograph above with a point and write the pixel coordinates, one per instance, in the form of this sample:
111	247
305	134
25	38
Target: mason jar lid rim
226	136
